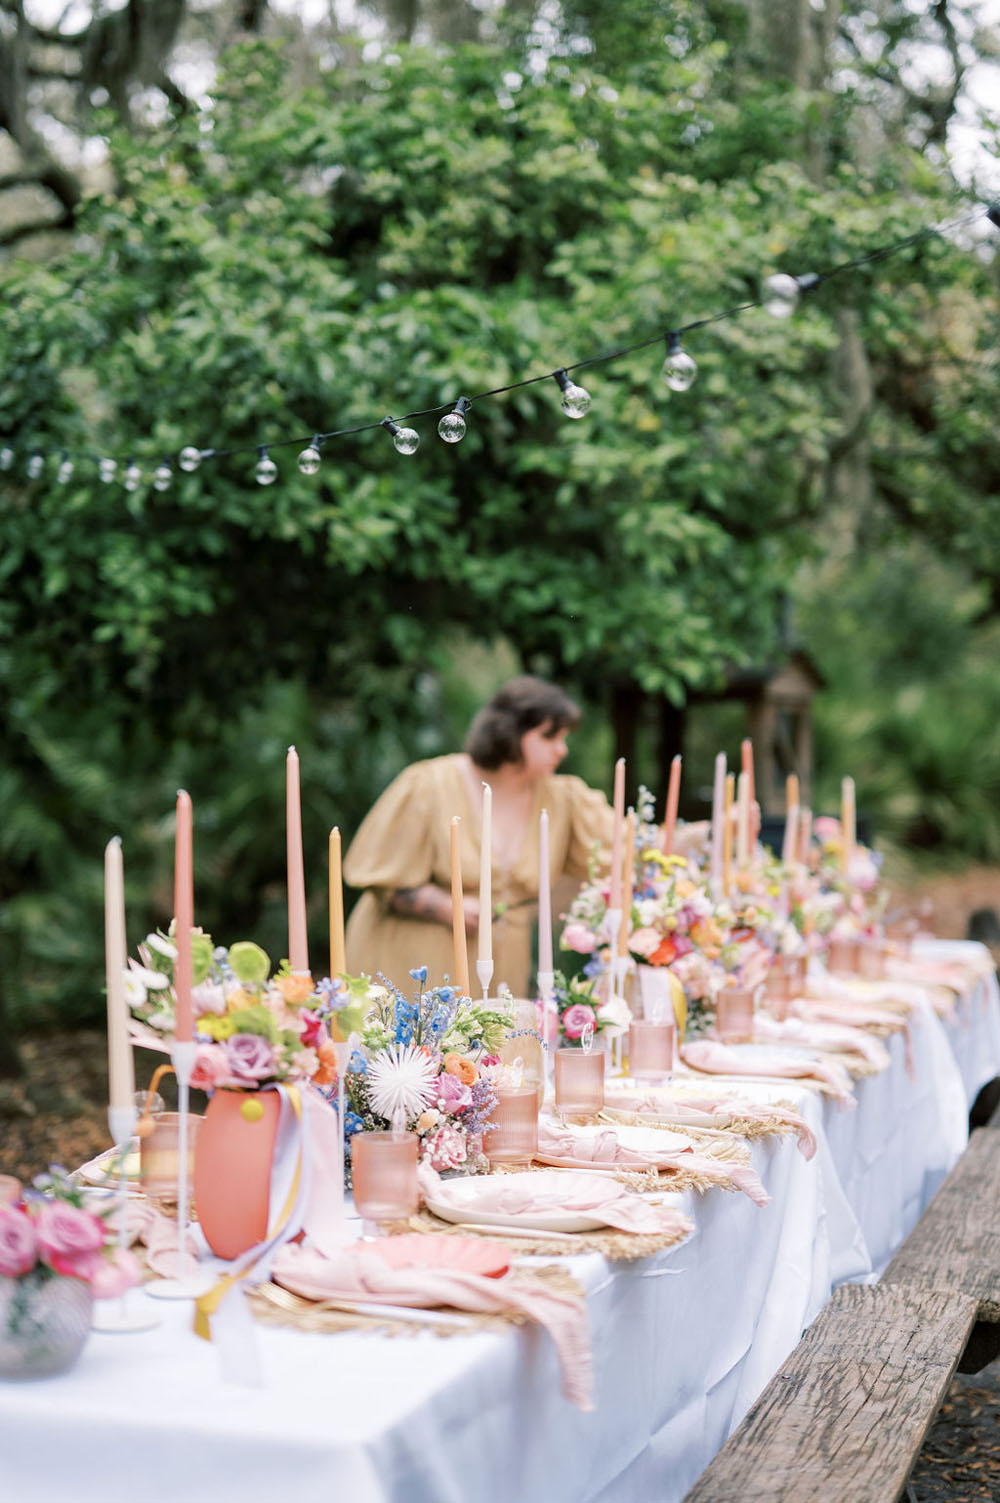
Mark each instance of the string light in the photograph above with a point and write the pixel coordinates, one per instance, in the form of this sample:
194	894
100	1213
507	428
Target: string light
780	294
678	369
452	426
575	399
406	440
308	460
266	471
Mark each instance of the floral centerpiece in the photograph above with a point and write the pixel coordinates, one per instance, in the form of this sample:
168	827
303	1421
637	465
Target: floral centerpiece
425	1066
251	1028
581	1013
56	1257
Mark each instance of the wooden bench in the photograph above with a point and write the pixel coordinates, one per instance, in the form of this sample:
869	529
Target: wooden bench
847	1414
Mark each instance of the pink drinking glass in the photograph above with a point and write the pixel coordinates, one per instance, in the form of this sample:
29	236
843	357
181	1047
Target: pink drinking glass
777	988
513	1138
650	1050
159	1156
384	1170
734	1015
842	955
579	1082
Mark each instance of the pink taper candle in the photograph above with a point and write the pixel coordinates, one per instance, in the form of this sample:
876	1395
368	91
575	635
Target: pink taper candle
184	917
298	946
544	897
338	958
121	1074
743	800
670	816
617	835
746	764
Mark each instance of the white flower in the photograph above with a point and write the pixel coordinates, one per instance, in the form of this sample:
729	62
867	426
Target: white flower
616	1014
401	1082
135	992
154	981
162	946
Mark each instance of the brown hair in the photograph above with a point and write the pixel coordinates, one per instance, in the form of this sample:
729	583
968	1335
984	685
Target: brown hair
522	704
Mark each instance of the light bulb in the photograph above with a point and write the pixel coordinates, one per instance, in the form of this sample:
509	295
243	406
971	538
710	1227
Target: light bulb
189	458
6	457
162	477
34	466
781	295
107	469
133	476
405	440
575	401
265	471
678	369
452	426
65	471
308	460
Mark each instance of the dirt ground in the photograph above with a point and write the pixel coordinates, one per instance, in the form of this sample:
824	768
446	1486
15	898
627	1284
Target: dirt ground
57	1113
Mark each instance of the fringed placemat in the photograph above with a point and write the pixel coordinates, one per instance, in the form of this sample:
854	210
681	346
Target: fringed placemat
273	1305
617	1247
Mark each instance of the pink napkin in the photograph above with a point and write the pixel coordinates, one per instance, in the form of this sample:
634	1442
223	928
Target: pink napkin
357	1273
159	1236
557	1140
597	1195
719	1059
714	1112
831	1037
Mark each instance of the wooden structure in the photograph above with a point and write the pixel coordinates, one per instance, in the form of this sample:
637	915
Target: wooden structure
848	1412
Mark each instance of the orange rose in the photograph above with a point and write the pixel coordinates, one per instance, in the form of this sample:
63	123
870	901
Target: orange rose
457	1064
295	989
665	952
327	1072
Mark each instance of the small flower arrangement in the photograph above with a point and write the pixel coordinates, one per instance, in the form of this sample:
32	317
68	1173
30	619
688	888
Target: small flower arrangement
423	1066
582	1014
48	1233
251	1028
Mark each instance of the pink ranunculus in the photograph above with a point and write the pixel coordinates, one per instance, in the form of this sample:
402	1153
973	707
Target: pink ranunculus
313	1027
447	1148
250	1058
211	1067
576	1018
68	1237
644	941
453	1095
18	1243
113	1274
578	937
208	997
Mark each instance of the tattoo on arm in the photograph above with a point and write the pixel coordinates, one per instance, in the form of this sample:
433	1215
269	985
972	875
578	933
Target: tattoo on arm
416	902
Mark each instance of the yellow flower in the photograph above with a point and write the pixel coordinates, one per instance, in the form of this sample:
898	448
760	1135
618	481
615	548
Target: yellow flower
685	888
216	1027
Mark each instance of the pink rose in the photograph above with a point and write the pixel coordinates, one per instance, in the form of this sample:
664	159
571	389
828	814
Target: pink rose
577	1018
453	1095
68	1238
313	1028
644	941
250	1058
114	1274
211	1067
18	1243
578	937
446	1149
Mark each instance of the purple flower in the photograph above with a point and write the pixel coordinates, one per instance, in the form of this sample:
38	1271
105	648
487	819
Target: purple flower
251	1058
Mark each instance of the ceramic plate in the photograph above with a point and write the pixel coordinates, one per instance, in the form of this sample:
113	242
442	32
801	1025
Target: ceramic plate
773	1054
465	1254
472	1198
104	1169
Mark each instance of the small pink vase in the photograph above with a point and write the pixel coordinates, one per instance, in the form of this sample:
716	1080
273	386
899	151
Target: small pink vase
232	1169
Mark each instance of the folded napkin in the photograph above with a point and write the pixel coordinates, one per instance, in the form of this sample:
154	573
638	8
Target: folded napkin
715	1113
832	1038
719	1059
853	1012
597	1195
161	1239
357	1273
578	1146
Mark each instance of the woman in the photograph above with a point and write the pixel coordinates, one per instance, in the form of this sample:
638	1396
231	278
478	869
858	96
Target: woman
401	855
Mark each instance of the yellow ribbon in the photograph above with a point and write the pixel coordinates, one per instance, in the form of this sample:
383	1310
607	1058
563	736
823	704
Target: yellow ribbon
207	1304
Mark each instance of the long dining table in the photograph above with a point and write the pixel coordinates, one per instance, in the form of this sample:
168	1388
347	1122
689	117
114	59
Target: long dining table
683	1340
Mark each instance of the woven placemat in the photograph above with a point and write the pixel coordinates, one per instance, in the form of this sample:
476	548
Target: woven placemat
273	1305
617	1247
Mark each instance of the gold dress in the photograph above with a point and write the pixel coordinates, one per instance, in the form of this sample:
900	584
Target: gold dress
405	841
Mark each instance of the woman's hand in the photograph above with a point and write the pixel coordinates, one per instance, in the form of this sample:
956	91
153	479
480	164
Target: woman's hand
434	904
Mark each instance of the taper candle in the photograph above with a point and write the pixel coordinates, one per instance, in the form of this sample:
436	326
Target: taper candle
617	832
338	954
184	917
727	831
486	877
718	818
670	814
746	764
544	897
628	883
805	833
460	944
121	1070
298	945
848	820
790	843
743	820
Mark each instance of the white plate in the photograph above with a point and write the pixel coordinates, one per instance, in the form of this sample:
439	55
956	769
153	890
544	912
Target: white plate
466	1194
104	1169
768	1054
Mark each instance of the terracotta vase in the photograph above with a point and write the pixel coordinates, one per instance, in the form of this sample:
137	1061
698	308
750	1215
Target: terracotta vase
232	1169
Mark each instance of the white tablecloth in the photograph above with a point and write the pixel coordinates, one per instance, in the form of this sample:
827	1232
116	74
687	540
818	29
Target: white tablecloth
683	1342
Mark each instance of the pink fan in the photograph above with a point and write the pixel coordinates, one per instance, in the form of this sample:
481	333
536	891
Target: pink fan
464	1254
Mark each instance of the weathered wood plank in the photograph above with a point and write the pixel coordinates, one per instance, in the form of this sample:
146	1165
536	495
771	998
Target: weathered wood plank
956	1243
848	1412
